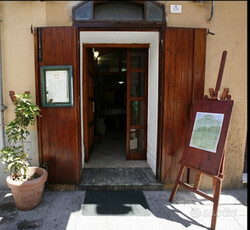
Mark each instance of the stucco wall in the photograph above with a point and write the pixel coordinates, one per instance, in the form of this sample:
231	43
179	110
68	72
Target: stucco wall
18	60
229	24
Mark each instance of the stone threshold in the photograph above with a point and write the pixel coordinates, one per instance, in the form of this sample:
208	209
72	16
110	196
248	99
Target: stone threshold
119	179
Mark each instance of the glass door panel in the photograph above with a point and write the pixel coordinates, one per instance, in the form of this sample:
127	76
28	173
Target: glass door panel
138	59
137	84
137	113
137	103
136	142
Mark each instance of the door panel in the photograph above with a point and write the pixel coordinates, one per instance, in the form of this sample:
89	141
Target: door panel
137	78
58	128
88	101
183	82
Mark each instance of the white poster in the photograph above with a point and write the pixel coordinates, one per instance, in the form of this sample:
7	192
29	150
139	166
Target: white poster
57	88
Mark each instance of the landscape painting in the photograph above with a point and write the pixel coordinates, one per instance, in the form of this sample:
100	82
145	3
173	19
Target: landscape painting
206	131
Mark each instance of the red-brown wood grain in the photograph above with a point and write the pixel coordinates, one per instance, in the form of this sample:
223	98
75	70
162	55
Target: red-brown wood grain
58	128
185	50
88	99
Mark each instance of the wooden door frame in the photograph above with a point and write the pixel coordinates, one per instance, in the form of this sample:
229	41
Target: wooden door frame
138	27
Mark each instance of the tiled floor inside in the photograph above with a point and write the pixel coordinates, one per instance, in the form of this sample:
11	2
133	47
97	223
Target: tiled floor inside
111	153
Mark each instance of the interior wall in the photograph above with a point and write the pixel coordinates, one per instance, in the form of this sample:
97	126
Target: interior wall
128	37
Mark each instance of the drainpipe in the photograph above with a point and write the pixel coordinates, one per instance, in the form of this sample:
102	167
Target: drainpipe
2	106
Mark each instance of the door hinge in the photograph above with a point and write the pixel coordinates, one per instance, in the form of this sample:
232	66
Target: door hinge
3	107
162	42
39	44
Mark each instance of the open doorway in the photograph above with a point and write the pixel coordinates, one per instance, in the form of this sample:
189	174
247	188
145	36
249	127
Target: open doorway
116	105
110	91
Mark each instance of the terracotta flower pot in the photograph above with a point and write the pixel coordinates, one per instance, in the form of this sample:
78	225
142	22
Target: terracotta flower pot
27	194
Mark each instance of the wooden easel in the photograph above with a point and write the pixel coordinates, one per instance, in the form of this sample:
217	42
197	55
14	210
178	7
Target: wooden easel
217	185
218	175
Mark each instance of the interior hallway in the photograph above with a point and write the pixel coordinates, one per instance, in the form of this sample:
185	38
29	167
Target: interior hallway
111	153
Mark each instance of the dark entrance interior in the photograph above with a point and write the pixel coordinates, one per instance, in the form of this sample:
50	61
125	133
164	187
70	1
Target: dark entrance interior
109	69
110	92
115	103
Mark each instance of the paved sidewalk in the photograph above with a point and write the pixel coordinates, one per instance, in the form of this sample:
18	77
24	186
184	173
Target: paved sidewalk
60	210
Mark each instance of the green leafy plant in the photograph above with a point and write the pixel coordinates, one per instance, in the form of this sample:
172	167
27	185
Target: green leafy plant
13	156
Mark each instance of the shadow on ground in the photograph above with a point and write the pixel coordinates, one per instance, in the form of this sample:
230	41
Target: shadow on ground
160	207
52	213
118	203
60	210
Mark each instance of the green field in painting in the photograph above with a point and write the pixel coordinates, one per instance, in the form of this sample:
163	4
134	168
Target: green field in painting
205	137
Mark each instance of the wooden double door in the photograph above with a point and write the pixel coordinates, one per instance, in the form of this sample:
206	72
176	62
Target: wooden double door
181	81
132	68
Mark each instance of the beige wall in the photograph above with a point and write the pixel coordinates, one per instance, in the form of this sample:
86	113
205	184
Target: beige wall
18	61
229	24
18	47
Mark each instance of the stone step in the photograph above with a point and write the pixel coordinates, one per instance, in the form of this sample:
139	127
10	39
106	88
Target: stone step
119	179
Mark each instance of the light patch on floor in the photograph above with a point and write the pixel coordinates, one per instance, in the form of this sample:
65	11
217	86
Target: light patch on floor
111	153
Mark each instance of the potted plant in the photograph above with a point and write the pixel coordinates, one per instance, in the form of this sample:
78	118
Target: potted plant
26	182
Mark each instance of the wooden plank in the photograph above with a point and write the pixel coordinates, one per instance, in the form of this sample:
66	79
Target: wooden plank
191	174
176	185
199	63
187	186
184	100
177	105
165	84
161	83
171	91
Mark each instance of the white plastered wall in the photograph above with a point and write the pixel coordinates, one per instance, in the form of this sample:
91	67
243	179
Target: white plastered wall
128	37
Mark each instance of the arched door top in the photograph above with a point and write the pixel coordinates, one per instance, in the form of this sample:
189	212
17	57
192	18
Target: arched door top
122	11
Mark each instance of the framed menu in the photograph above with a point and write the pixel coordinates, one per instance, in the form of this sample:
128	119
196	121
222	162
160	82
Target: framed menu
56	86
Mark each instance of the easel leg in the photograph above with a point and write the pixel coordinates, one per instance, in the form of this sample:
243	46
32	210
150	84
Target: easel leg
217	191
176	185
197	180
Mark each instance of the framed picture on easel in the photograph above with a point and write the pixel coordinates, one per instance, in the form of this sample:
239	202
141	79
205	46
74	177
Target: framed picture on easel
204	150
207	133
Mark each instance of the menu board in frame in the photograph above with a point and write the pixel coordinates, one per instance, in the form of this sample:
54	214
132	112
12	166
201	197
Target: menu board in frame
57	86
